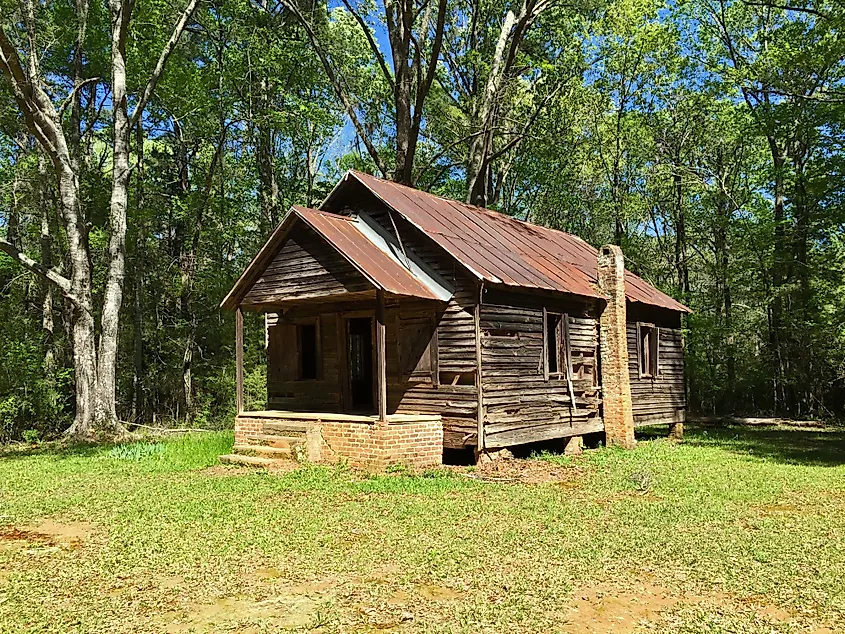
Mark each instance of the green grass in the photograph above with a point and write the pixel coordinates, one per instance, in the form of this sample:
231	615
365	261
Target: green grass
744	528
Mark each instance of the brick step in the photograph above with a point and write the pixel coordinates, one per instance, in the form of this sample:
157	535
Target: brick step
286	428
272	440
262	450
251	461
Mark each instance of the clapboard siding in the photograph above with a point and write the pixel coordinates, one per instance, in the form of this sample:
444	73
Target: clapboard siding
662	398
305	267
520	405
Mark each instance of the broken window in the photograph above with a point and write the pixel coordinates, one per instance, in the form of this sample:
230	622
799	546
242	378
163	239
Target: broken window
556	345
308	348
457	378
648	337
417	339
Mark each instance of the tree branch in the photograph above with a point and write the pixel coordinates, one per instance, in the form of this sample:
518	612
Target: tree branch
51	275
787	7
73	92
162	61
37	109
385	69
336	83
425	85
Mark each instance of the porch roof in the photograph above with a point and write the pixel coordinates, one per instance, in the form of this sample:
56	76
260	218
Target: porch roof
370	252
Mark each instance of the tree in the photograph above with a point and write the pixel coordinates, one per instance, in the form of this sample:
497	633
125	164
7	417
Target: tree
415	32
95	370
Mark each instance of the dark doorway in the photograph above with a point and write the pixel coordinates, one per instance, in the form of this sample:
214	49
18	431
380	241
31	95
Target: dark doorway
359	353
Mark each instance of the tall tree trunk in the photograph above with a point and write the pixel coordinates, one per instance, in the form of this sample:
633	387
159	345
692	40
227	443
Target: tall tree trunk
138	287
119	11
13	220
779	263
681	265
723	280
480	145
46	243
82	315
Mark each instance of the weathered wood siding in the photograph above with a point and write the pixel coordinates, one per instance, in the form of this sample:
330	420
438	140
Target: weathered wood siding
520	405
660	398
306	267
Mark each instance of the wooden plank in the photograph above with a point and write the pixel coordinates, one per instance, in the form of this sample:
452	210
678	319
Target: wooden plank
381	362
478	376
239	360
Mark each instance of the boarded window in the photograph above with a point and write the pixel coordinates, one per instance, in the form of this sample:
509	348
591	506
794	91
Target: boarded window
308	351
555	344
417	339
648	349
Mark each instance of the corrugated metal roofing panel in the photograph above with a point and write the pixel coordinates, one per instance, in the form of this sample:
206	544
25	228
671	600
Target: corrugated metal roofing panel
503	250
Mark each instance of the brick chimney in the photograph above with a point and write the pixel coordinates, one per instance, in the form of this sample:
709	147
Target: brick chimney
615	379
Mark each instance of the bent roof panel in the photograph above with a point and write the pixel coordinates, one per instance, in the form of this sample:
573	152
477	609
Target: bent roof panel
501	249
343	233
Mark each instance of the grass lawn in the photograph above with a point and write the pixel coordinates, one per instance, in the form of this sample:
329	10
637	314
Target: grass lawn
736	530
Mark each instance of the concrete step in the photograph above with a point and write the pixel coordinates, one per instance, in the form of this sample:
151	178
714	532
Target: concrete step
286	428
272	440
252	461
262	450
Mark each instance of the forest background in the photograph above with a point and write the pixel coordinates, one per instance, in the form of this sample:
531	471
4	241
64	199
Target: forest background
148	148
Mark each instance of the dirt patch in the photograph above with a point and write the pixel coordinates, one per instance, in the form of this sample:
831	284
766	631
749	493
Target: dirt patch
526	471
616	609
281	467
48	533
603	609
292	607
236	613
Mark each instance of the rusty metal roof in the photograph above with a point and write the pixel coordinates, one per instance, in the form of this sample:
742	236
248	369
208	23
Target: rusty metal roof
346	235
500	249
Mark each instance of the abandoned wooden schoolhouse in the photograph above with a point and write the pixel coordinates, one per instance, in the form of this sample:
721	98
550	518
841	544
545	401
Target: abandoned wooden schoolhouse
400	324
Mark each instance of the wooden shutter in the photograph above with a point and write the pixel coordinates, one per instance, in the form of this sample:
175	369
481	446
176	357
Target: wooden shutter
416	338
281	353
545	359
655	351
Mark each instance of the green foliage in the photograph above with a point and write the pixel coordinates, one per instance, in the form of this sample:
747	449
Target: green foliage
138	451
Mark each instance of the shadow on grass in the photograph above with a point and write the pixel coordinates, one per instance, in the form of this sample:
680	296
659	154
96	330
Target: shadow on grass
57	449
790	445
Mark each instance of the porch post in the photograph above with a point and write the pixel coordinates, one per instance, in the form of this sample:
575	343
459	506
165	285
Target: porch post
239	360
381	359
